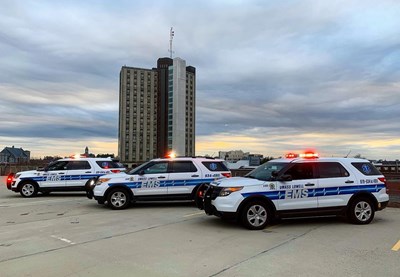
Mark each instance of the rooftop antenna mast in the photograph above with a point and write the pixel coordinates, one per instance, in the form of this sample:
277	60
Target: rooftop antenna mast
171	36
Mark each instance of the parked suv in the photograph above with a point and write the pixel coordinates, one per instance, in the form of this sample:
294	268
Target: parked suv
158	179
298	187
70	174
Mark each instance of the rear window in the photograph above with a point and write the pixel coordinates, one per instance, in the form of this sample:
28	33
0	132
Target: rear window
215	166
367	168
182	166
109	164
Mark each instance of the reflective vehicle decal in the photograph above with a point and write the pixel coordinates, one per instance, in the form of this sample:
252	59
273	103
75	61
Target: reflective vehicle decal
158	183
57	178
304	193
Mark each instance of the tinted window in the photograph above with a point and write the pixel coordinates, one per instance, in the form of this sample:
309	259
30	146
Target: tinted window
215	166
109	164
181	166
301	171
76	165
57	166
366	168
332	170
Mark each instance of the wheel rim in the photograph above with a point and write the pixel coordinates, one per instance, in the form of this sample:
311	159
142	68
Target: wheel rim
118	199
363	211
28	189
256	215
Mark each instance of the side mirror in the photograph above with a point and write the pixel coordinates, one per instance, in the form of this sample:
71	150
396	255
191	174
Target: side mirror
274	174
141	172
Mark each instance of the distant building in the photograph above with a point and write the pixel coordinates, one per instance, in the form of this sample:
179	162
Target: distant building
156	111
87	154
235	156
14	155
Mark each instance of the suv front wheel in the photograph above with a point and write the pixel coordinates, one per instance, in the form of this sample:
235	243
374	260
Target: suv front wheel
118	199
361	211
255	215
28	189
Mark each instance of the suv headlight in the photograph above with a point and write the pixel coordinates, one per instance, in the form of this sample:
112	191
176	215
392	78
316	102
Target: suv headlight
229	190
102	180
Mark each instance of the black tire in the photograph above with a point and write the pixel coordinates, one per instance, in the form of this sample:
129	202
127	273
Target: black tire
198	196
256	215
28	189
118	199
361	211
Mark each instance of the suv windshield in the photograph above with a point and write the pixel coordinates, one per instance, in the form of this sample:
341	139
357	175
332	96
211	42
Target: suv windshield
138	169
264	171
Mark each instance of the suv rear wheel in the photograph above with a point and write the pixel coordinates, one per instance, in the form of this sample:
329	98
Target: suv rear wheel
255	215
361	211
118	199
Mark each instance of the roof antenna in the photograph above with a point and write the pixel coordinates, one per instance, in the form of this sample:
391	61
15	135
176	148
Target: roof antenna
171	36
348	154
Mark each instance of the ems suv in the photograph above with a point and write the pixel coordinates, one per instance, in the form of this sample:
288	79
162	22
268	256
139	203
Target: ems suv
158	179
69	174
298	186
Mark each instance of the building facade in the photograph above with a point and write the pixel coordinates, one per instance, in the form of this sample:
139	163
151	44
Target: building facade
14	155
156	111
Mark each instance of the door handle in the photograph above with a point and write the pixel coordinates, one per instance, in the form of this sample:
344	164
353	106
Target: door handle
161	177
309	185
349	182
60	173
88	172
195	175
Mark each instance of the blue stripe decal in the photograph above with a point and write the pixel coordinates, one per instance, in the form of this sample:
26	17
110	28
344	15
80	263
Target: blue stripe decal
280	194
62	177
164	184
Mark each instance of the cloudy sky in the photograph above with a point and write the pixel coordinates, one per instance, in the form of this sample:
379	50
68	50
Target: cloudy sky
272	76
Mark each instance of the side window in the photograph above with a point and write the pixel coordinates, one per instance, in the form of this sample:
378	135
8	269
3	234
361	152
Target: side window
182	166
76	165
215	166
154	168
57	166
366	168
332	170
301	171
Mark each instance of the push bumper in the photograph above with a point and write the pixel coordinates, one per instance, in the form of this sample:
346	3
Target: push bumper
205	199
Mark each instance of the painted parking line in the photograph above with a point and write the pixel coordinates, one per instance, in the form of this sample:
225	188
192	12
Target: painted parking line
188	215
63	239
396	247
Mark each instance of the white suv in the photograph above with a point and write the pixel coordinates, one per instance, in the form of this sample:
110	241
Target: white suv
298	187
158	179
67	174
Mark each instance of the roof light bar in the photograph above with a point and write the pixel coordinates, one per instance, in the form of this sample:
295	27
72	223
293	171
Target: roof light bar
309	155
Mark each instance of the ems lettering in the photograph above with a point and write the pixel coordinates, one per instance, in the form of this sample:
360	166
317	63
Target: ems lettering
53	178
296	193
151	184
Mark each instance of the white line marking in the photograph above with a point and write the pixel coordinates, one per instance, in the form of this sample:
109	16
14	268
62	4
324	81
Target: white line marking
199	213
63	239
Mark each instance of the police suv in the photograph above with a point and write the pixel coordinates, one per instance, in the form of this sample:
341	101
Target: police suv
301	186
69	174
158	179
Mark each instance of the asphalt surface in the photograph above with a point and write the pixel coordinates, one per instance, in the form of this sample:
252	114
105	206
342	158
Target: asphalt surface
70	235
